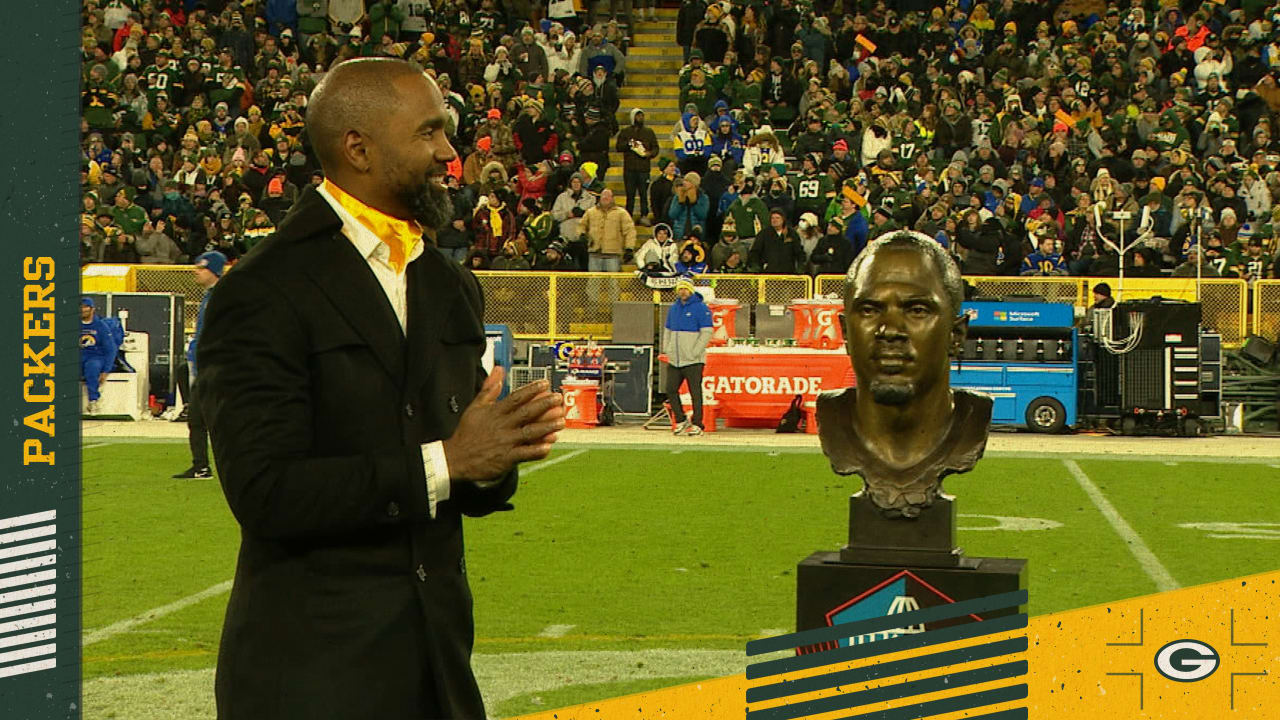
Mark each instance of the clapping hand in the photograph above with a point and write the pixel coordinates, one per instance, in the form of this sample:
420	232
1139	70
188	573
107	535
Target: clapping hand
494	435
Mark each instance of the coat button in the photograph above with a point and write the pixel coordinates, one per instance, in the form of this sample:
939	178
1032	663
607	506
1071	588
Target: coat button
393	509
408	410
453	404
422	574
462	565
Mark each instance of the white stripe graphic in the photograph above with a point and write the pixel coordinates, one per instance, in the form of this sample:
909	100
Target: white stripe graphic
20	535
38	636
40	591
27	623
29	548
126	625
41	561
1150	563
27	609
28	667
31	519
28	579
30	652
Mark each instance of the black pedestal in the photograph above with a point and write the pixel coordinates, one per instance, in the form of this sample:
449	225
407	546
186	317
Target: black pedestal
831	590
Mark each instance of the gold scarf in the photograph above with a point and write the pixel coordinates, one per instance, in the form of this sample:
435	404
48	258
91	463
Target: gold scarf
399	235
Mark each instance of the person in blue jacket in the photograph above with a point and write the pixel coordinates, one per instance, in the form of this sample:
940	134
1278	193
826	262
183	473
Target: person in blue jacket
208	270
97	351
685	337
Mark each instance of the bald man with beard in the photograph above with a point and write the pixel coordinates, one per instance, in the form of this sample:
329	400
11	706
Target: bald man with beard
353	425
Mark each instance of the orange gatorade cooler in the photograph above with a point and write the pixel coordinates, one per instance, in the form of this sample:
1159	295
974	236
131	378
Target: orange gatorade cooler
827	331
724	315
580	403
802	329
817	323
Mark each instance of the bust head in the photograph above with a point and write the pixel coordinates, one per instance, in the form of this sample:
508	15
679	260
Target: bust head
902	318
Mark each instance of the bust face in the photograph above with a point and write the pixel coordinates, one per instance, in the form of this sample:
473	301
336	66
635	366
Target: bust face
899	324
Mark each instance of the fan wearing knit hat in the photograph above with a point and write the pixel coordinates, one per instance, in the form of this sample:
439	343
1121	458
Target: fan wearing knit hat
686	333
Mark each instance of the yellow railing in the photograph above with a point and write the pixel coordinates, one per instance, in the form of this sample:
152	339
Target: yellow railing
559	306
1266	309
1225	302
563	306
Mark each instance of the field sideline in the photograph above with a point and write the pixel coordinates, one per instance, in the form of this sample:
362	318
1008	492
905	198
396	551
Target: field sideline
614	574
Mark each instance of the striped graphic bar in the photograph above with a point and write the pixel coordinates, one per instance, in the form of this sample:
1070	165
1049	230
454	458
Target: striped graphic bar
884	670
32	519
28	556
888	622
955	704
884	647
893	692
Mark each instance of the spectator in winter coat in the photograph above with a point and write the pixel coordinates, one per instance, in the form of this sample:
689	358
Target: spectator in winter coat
982	247
685	336
687	20
155	247
692	144
570	206
638	145
777	249
689	206
555	259
532	182
503	144
832	256
726	143
1045	261
492	224
610	234
692	259
661	190
659	254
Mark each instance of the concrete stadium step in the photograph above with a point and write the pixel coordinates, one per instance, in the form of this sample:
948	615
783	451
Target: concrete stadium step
650	79
653	39
651	96
661	52
652	65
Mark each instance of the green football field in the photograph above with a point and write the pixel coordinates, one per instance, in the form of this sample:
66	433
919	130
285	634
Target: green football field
623	570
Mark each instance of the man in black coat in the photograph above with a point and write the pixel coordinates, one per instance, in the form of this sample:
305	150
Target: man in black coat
353	426
777	249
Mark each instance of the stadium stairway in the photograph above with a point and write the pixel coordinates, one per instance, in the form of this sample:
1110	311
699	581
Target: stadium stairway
653	65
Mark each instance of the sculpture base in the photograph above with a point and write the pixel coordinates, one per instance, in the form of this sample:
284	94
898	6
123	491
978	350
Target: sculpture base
927	540
831	590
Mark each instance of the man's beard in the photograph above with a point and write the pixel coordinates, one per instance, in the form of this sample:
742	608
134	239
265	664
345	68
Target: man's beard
886	392
430	205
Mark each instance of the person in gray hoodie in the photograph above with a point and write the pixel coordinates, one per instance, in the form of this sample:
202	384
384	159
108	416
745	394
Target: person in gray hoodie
685	336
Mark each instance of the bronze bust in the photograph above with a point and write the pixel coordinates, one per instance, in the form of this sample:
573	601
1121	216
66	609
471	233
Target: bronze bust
903	428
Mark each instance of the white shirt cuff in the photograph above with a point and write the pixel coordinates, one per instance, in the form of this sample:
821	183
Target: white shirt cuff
437	471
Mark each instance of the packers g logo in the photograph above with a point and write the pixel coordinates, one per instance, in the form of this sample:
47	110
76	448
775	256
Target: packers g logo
1187	660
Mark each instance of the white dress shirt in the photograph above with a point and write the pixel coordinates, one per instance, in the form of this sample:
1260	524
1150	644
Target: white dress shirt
395	285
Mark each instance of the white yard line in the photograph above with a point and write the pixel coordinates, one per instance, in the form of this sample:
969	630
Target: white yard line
556	631
124	626
1150	563
526	471
188	694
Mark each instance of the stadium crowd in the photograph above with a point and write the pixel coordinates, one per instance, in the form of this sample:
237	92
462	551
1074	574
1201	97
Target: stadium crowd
1029	137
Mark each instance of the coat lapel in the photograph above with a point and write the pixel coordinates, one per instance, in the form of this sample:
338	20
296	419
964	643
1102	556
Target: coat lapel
345	278
434	297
